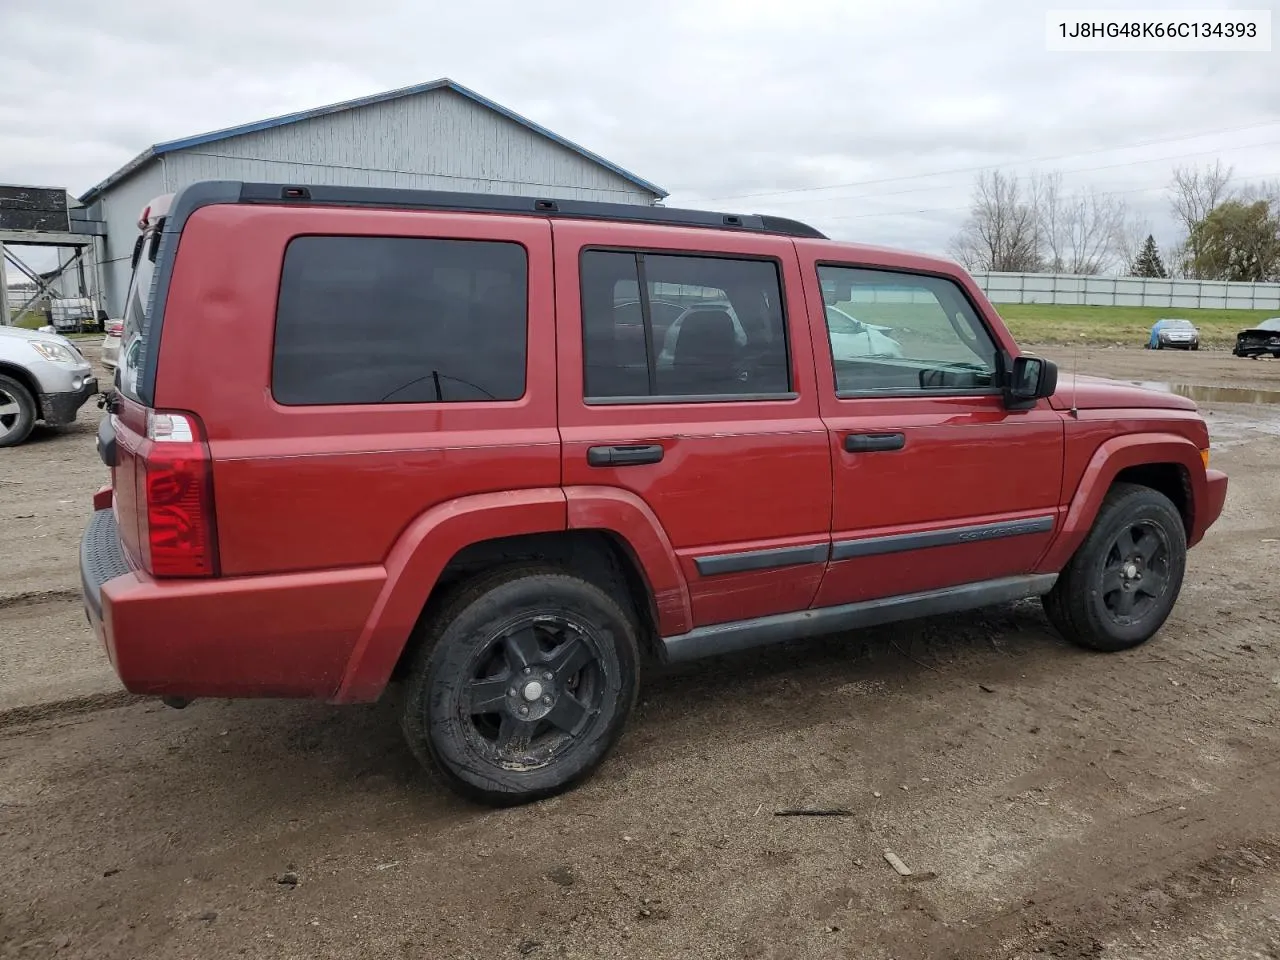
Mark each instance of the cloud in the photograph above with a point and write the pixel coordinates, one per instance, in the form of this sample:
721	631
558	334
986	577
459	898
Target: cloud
735	99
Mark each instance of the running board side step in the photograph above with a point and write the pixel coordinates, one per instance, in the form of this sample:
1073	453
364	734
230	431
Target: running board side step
744	634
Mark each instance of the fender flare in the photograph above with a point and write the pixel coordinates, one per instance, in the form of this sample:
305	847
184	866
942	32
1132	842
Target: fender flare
415	563
425	548
621	512
1108	460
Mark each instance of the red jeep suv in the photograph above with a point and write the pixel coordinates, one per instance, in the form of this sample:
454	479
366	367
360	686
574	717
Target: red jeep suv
499	448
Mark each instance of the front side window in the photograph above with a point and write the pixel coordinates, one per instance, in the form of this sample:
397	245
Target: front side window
900	333
365	320
661	326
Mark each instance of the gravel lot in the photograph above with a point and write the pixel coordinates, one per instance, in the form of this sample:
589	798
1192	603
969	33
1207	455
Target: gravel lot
1051	802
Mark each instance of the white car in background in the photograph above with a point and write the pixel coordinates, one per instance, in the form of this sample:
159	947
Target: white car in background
111	344
42	377
851	339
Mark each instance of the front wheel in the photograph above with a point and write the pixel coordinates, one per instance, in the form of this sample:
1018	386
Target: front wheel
17	412
1120	586
522	685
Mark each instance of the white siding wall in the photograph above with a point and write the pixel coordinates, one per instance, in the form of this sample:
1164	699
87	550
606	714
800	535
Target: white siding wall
1127	291
438	140
120	207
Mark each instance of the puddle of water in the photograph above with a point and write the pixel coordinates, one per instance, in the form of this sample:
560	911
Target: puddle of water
1213	394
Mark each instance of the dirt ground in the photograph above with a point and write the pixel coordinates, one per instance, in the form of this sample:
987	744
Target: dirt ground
1051	802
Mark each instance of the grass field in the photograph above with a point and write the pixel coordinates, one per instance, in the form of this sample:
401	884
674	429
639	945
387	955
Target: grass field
1057	323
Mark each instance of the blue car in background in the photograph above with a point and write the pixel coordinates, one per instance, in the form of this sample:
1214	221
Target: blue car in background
1173	332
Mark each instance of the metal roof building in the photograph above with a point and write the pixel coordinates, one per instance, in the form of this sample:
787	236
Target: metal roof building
432	136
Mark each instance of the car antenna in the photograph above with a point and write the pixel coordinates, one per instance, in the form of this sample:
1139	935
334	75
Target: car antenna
1075	372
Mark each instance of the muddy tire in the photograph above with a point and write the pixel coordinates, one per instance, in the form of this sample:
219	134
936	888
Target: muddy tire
17	412
521	684
1119	587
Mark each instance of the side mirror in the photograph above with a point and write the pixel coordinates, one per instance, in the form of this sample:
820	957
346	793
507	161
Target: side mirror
1030	379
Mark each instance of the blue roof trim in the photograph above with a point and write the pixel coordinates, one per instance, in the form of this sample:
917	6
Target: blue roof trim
186	143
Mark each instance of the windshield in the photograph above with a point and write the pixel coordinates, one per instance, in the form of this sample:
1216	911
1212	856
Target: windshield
136	305
1174	323
1272	324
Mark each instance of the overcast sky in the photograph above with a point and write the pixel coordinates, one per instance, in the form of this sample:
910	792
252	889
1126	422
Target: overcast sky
864	117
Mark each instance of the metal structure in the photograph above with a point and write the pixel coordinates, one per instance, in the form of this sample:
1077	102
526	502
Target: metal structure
1127	291
432	136
43	217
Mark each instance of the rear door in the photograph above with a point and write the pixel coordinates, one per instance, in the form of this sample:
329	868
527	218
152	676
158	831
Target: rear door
936	482
708	414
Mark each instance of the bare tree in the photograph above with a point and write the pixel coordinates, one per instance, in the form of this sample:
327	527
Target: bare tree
1266	190
1130	236
1193	193
1001	231
1079	231
1177	259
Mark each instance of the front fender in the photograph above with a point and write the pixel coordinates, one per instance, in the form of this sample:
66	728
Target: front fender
1108	460
416	562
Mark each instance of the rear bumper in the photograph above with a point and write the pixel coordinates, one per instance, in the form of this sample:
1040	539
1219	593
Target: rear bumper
289	635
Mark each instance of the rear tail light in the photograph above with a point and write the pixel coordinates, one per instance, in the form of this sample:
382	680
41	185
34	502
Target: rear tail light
180	538
115	327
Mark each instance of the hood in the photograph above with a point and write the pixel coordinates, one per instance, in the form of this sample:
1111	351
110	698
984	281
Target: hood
24	334
1095	393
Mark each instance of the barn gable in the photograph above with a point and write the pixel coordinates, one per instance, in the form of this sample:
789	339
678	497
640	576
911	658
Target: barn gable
438	135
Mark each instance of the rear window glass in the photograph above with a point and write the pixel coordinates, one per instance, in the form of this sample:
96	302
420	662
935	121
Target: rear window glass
136	306
367	320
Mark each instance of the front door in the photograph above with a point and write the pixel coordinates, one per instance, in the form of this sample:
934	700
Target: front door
937	483
686	381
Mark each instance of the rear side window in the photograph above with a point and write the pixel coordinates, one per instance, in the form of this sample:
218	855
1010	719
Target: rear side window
366	320
658	326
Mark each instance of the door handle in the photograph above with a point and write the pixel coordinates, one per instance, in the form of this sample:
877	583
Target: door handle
624	456
868	442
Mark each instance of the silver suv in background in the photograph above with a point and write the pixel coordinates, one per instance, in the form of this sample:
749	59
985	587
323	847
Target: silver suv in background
42	377
114	330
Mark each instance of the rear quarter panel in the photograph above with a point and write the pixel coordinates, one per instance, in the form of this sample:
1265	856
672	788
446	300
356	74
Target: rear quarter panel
302	488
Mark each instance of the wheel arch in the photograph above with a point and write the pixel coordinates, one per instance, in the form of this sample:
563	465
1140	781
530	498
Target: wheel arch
24	377
1169	478
609	537
1168	463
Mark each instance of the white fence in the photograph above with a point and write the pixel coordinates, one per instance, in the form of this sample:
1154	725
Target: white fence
1127	291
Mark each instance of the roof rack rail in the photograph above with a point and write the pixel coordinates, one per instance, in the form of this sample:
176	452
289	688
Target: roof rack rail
326	195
